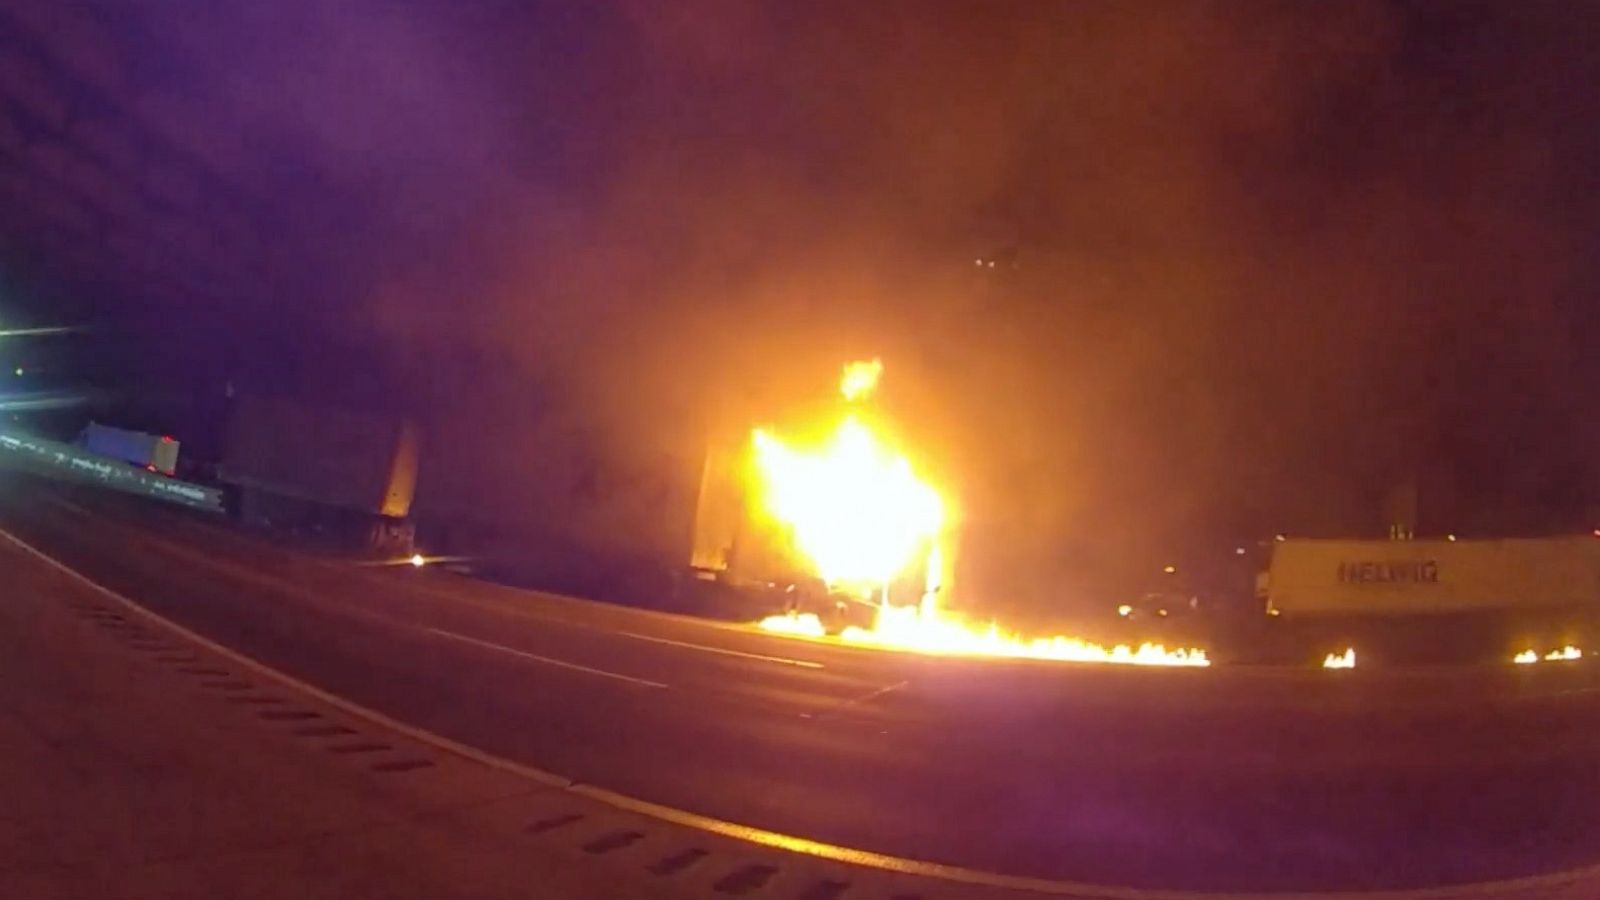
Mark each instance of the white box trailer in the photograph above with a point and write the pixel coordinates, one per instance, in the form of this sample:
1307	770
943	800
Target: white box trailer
1408	602
155	452
1309	577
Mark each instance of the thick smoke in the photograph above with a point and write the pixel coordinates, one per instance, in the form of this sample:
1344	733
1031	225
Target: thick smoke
1257	262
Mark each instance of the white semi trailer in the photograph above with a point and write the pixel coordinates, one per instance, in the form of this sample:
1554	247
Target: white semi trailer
1435	600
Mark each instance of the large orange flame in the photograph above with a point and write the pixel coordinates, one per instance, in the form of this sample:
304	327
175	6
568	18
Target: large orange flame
855	508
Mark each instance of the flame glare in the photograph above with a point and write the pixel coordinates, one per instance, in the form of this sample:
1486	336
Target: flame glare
798	624
855	508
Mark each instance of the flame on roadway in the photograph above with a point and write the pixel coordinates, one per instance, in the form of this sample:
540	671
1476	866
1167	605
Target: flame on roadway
860	379
1529	656
859	513
1345	660
912	629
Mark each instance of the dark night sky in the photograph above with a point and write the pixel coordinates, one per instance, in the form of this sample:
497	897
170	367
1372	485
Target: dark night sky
1271	257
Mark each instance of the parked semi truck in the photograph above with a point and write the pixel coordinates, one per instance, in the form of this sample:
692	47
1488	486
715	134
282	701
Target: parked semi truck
1434	600
153	452
339	475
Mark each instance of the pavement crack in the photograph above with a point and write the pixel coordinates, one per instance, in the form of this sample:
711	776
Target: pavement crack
852	702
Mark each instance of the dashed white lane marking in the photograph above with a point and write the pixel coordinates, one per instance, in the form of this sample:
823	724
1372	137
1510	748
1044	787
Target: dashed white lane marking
707	648
550	661
782	660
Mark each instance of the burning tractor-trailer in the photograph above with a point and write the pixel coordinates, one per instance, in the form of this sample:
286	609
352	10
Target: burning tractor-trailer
839	533
826	525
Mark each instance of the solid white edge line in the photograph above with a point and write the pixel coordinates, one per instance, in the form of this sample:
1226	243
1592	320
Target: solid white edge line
561	663
776	840
802	663
546	778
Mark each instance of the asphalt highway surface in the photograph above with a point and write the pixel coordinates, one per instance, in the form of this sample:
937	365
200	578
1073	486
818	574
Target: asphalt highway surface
1216	779
139	773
